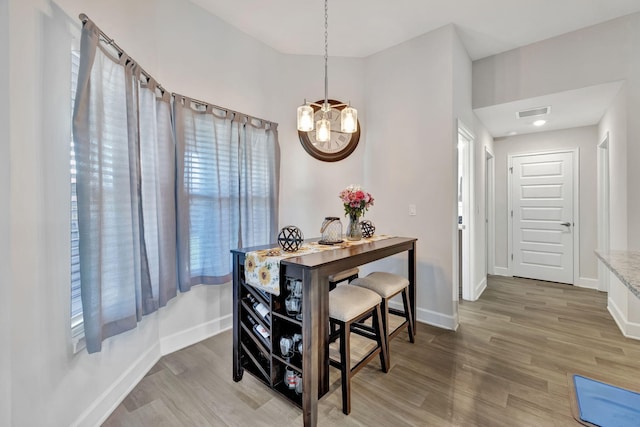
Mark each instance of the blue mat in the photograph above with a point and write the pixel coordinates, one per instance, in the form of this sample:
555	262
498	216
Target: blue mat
605	405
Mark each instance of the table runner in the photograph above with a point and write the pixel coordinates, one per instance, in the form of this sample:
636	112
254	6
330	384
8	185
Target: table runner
262	268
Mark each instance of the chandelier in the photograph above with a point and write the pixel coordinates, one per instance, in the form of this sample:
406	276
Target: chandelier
306	113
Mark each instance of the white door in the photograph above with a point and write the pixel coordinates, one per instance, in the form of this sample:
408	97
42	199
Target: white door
542	203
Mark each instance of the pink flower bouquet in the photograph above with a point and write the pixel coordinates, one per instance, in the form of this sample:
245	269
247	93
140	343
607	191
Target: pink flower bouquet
355	200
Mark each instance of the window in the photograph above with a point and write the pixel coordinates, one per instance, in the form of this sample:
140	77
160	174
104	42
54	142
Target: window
127	227
227	189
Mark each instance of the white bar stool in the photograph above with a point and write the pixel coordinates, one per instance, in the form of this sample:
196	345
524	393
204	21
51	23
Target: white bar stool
388	285
348	305
348	275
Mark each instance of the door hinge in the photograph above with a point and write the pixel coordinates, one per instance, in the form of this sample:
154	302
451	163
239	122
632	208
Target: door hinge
511	257
511	213
511	169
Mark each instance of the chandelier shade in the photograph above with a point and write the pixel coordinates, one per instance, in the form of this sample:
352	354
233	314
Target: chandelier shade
323	130
305	118
349	120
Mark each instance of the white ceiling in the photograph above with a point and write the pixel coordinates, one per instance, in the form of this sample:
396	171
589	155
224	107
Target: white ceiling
358	28
573	108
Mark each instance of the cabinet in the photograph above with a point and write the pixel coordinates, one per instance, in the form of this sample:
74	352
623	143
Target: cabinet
260	333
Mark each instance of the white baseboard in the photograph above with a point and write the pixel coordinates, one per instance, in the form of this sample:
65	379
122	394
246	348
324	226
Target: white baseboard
396	304
480	287
433	318
429	317
501	271
98	412
628	329
586	282
198	333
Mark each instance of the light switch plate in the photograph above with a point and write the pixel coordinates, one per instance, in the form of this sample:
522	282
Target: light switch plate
412	210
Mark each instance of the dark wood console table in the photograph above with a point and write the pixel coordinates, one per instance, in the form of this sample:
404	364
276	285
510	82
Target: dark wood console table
261	357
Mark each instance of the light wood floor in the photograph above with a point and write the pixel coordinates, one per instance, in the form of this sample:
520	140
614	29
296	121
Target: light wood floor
506	365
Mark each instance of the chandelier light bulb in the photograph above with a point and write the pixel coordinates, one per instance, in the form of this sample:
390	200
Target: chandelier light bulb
349	120
305	118
323	130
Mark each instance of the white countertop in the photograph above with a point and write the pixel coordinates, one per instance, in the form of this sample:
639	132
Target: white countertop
626	266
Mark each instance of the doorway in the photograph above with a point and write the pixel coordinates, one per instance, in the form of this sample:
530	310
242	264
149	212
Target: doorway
465	218
603	210
489	200
543	208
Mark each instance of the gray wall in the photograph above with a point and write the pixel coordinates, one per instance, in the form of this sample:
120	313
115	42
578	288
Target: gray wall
483	142
614	123
5	245
411	157
584	138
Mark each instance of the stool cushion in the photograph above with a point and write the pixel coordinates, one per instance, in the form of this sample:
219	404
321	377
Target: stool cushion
348	302
385	284
342	275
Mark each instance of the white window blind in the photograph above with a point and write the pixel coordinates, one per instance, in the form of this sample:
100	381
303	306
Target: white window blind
208	196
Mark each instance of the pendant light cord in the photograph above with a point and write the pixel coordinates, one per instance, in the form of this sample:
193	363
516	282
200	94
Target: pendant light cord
326	55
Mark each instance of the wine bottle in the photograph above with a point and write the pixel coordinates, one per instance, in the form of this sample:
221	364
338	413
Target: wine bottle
260	331
260	309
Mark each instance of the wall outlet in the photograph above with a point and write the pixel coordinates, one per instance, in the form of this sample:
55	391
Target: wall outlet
412	210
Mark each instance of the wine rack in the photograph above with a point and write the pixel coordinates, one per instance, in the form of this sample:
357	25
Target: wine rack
264	320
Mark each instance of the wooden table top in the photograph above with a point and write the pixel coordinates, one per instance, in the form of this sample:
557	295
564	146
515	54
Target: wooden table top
319	259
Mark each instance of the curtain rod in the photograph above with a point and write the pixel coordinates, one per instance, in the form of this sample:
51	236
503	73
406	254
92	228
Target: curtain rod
217	107
111	42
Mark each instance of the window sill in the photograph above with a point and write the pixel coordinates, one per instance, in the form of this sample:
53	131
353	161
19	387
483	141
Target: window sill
78	342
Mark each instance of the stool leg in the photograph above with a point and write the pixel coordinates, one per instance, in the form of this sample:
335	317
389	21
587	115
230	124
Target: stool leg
334	331
380	337
384	308
409	314
345	359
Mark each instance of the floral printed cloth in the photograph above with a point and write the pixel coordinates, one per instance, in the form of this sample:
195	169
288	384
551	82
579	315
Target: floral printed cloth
262	268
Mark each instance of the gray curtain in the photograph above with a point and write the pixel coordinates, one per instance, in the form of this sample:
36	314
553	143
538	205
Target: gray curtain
227	189
207	192
158	164
259	182
162	194
123	149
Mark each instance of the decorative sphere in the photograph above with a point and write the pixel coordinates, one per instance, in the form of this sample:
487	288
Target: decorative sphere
367	228
290	238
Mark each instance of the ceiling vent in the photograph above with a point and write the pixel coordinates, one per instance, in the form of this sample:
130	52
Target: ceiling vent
533	112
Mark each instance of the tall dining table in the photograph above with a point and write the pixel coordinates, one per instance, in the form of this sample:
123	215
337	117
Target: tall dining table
261	356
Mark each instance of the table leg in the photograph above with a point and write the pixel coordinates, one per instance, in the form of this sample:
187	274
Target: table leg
315	334
238	371
412	282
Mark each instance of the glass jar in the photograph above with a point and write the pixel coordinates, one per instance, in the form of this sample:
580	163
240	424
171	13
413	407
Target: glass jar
331	231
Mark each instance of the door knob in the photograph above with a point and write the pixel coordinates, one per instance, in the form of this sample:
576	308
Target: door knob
566	224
